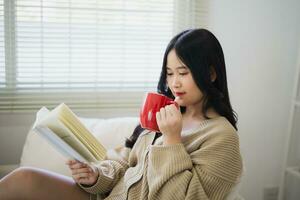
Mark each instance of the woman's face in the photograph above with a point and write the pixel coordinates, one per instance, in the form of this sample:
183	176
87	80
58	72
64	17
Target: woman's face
181	82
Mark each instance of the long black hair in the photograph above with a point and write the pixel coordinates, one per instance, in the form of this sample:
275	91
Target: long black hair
202	53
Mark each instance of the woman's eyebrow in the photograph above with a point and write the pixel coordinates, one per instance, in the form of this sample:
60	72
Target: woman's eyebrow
179	67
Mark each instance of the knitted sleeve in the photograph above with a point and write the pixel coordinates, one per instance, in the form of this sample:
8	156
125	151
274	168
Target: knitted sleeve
209	172
111	170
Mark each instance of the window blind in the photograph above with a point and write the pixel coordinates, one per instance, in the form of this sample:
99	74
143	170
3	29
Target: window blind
87	53
2	55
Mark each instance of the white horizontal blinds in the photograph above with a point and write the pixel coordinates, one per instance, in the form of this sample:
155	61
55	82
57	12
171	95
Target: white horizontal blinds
200	18
190	14
88	53
90	45
2	53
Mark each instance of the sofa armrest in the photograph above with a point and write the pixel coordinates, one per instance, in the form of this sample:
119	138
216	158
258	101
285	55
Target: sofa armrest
5	169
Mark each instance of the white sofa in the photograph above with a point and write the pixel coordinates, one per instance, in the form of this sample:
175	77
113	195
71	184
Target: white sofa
37	152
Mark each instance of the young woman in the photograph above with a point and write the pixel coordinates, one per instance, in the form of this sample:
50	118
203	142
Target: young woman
195	155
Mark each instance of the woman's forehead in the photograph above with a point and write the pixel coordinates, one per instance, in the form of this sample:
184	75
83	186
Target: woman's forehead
173	62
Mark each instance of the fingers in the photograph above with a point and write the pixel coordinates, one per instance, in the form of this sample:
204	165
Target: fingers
79	167
82	172
74	164
158	119
68	162
170	110
167	111
165	114
176	103
79	176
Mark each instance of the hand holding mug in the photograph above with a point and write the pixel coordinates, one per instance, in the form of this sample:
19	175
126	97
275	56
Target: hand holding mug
152	104
169	120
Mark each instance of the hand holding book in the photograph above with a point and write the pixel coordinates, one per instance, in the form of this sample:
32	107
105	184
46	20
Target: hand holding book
83	173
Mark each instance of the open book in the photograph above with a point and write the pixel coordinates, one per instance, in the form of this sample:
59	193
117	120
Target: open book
63	130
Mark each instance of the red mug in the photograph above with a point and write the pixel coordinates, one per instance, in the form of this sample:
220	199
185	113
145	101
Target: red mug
153	102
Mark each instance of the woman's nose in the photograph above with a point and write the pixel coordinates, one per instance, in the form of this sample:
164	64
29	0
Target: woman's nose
176	82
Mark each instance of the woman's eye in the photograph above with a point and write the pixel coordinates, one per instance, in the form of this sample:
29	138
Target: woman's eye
181	74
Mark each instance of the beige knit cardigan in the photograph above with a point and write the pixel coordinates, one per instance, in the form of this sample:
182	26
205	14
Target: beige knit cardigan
206	165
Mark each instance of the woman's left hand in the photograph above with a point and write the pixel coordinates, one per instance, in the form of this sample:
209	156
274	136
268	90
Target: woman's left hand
169	121
83	173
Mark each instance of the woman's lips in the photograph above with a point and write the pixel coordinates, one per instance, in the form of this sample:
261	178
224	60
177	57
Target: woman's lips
179	93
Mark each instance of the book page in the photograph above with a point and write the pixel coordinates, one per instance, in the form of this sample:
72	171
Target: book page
42	113
59	144
71	121
51	121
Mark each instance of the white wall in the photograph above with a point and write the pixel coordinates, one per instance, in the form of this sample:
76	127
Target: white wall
259	40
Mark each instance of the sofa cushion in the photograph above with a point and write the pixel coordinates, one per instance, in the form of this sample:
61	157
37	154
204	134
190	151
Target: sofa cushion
37	152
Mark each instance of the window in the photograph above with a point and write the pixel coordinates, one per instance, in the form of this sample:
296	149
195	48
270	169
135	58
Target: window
2	55
86	53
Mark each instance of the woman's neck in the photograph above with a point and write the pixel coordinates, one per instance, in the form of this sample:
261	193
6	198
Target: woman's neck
192	118
196	114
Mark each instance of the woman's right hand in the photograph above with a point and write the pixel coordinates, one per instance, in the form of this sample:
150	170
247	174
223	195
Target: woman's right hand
83	173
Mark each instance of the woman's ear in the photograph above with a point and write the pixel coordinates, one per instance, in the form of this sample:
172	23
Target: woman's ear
213	74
